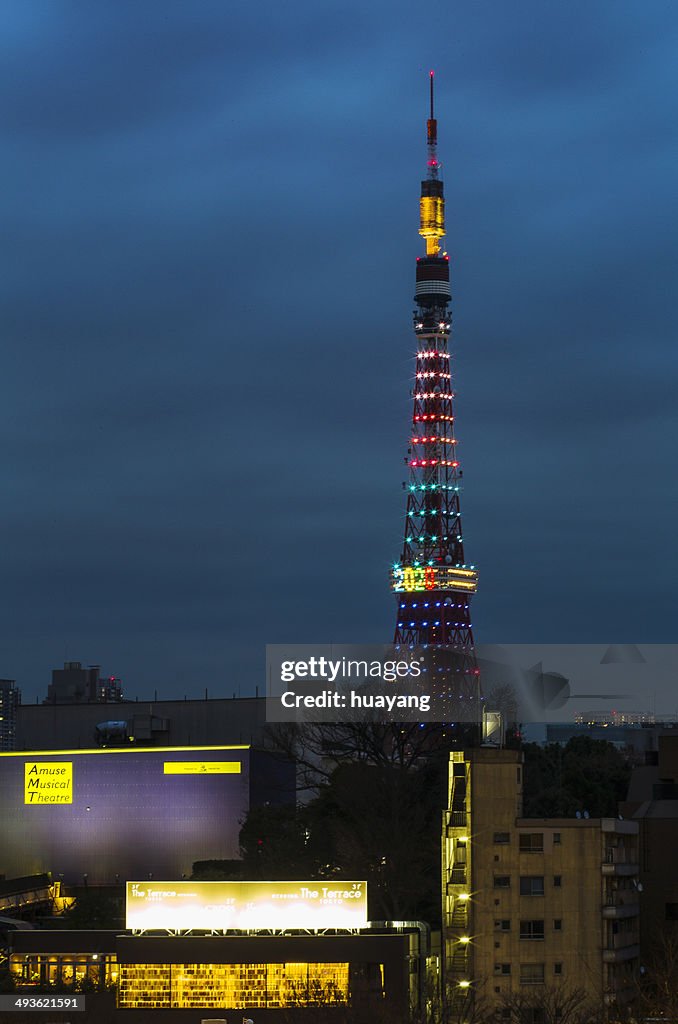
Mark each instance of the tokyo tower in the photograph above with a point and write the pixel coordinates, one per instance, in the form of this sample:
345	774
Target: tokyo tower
432	579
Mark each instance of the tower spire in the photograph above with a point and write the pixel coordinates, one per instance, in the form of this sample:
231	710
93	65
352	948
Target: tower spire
432	579
432	203
432	137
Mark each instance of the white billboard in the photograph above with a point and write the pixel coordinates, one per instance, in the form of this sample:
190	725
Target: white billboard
246	905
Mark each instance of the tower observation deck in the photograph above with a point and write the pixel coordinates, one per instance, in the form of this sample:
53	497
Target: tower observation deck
432	580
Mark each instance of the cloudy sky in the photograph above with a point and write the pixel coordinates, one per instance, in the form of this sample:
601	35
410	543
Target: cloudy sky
209	226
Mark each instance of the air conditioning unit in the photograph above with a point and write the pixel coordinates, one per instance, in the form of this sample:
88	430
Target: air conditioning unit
213	1020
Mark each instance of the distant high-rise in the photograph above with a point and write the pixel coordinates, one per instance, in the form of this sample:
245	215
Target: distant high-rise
431	579
10	698
74	684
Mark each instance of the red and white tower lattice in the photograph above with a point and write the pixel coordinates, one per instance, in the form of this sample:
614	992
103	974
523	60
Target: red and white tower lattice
432	579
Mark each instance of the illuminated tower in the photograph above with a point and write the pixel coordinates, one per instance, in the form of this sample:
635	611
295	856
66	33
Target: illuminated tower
432	580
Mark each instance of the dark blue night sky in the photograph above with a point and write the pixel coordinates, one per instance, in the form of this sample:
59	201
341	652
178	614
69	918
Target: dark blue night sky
209	228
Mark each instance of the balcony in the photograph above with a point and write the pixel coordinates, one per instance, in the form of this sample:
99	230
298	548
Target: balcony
459	916
616	911
619	956
619	861
454	884
456	819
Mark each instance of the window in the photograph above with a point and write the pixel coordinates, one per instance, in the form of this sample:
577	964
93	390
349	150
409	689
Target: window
557	924
556	838
531	842
502	968
502	926
557	968
531	974
531	885
532	1015
557	881
502	881
532	929
502	838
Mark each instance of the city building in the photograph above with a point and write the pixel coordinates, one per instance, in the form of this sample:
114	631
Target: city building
163	723
10	701
431	579
533	905
638	740
652	802
28	896
101	816
297	946
74	684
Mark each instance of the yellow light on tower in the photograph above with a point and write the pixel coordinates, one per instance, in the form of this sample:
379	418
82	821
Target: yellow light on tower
432	222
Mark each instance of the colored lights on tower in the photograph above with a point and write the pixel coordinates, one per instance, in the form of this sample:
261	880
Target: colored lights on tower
408	578
432	563
433	462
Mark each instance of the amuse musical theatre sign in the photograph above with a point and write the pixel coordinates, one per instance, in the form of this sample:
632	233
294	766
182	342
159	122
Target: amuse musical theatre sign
48	782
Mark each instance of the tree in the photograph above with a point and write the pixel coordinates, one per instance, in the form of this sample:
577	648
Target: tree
383	824
318	749
94	910
560	1004
372	818
584	775
284	842
658	986
217	870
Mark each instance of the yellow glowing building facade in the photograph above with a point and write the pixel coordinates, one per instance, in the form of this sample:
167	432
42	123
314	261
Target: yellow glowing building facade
369	969
250	986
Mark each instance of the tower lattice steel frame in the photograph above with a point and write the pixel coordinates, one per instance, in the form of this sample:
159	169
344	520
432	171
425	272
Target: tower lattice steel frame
432	580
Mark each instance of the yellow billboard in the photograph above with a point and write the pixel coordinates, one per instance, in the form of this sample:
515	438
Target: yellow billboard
48	782
202	767
246	905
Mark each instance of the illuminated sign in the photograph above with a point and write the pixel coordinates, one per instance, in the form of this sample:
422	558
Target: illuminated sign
407	578
48	782
243	905
201	768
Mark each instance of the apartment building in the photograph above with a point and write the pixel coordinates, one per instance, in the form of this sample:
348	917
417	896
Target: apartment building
532	907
